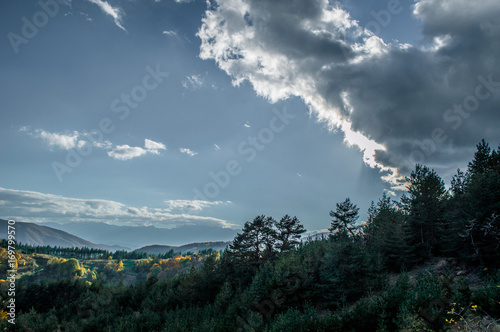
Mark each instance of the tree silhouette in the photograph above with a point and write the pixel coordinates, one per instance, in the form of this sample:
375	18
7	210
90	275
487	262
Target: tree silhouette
427	198
344	217
288	235
258	239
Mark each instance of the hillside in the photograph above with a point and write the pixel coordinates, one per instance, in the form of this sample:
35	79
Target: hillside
192	247
33	234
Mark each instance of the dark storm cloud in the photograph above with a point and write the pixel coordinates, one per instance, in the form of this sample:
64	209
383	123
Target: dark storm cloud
399	103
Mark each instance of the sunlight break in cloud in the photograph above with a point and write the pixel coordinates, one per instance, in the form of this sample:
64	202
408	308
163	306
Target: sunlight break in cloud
188	152
388	99
115	12
31	205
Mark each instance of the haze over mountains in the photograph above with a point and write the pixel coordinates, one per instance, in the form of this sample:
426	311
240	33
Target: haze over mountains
193	247
136	237
34	234
29	233
115	237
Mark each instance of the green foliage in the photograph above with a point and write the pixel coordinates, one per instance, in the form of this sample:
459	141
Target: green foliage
33	321
426	202
388	234
66	268
304	321
488	296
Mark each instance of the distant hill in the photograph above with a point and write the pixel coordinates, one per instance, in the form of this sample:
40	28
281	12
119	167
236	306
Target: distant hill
140	236
38	235
193	247
34	234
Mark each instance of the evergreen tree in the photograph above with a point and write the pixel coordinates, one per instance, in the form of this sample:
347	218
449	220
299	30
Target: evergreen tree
427	195
288	233
372	212
242	243
387	233
482	161
257	240
269	235
453	239
344	218
482	195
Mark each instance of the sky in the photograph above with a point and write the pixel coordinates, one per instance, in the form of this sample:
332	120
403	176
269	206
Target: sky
174	112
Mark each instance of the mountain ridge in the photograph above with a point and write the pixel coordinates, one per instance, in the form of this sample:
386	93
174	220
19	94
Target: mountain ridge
191	247
141	236
42	235
39	235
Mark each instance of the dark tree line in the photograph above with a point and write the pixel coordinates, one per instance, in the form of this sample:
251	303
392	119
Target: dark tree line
83	252
87	253
264	236
429	220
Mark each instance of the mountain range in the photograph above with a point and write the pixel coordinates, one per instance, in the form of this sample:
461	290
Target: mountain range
193	247
139	236
112	237
34	234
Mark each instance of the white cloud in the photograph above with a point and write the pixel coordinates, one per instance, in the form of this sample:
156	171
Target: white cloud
386	98
188	152
64	141
153	146
31	206
196	205
126	152
169	33
115	12
75	139
194	82
106	145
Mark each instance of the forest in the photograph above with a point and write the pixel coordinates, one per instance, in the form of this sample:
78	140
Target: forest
428	261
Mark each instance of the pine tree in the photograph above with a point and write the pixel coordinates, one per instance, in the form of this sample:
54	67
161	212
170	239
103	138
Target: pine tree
426	205
288	233
453	237
387	233
344	217
482	195
397	248
257	240
482	161
269	236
